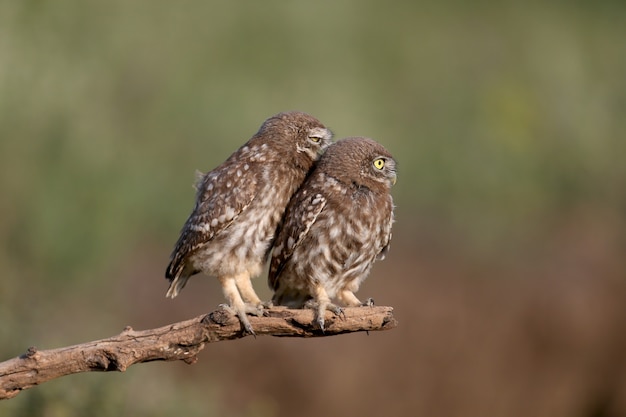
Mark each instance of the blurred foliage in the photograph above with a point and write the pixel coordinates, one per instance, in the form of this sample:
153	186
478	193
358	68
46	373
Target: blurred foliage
504	118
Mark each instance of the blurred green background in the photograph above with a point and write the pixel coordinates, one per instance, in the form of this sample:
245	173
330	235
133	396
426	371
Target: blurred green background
507	270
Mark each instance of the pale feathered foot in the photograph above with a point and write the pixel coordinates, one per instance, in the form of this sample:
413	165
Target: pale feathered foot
254	305
237	305
242	315
320	309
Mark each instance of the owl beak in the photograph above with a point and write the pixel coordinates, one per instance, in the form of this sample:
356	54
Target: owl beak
393	179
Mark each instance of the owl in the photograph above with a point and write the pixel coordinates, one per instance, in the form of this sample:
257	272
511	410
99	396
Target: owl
239	204
335	227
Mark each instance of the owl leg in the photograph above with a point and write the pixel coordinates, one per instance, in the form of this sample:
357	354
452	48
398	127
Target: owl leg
348	298
320	303
254	305
235	302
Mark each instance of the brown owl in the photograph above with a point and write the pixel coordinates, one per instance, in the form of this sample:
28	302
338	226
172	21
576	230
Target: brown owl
238	207
335	226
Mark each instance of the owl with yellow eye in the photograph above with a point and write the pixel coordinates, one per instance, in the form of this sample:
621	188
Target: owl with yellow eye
335	227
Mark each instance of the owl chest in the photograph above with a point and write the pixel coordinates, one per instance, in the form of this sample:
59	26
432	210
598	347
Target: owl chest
345	241
362	229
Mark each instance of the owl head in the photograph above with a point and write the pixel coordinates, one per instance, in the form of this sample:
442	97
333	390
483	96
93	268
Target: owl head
361	162
296	132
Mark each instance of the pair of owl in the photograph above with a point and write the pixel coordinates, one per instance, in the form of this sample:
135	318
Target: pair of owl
325	208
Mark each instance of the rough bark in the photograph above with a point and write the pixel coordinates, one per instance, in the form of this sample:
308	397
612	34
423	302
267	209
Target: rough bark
177	341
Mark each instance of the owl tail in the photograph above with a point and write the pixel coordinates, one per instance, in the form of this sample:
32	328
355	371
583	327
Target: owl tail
176	285
178	273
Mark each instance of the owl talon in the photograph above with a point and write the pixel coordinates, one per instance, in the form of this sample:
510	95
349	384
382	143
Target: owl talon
320	322
368	303
320	310
337	311
228	308
241	315
245	324
255	310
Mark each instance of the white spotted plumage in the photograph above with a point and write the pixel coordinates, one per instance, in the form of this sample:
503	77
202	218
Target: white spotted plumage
239	205
335	227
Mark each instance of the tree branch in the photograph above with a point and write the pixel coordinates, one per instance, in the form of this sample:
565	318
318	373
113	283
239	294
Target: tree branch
177	341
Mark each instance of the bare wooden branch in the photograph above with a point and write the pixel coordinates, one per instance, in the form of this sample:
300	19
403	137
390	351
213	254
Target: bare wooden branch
178	341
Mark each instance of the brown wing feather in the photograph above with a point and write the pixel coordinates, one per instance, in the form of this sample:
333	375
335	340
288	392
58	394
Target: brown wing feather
300	216
219	201
387	238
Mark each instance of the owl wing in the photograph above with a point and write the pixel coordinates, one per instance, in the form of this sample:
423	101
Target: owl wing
387	237
386	244
221	197
300	216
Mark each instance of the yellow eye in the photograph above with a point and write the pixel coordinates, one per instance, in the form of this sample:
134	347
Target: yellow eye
379	163
315	138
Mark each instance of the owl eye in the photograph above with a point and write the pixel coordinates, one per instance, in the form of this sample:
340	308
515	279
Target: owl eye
379	163
315	139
